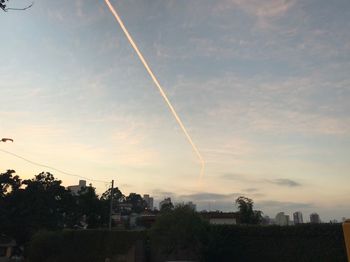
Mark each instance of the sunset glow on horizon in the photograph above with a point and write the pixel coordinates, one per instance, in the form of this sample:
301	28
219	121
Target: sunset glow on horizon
262	88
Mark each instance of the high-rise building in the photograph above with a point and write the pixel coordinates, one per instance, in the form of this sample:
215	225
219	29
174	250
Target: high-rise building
76	188
282	219
149	201
298	218
315	218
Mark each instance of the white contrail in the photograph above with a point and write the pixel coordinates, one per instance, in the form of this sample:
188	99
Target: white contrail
117	17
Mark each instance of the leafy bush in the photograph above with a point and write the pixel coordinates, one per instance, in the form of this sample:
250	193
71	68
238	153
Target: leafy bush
178	234
87	245
181	234
321	242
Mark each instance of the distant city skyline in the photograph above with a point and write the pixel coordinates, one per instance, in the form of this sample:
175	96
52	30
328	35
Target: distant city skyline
263	87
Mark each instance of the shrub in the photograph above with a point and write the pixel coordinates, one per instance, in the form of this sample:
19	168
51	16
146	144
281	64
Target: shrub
178	234
323	242
86	245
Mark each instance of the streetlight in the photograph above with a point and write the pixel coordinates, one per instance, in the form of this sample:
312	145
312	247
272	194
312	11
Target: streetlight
6	139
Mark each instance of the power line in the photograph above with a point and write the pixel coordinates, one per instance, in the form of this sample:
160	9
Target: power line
50	167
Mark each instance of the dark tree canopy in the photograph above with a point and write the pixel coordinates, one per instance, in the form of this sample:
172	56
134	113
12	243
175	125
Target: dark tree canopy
9	182
167	207
4	6
42	202
246	212
137	202
179	231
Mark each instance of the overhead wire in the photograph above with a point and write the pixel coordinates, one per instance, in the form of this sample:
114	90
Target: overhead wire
51	168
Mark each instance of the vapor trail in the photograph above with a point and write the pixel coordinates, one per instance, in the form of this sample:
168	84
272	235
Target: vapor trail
155	80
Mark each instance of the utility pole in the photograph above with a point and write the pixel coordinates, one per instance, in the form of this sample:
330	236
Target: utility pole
111	206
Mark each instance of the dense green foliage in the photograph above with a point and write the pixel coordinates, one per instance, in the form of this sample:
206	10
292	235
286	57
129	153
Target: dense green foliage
178	232
42	203
81	245
247	214
321	242
2	4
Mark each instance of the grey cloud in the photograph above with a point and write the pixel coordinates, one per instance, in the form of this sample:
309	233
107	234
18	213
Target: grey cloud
251	189
232	176
258	195
161	193
284	182
279	181
210	197
271	204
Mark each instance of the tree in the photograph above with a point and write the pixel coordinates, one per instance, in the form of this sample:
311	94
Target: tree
32	204
167	207
9	183
246	212
137	203
117	195
89	207
178	234
4	7
45	197
105	199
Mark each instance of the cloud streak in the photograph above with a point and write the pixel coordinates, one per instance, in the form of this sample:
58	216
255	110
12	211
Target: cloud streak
265	8
284	182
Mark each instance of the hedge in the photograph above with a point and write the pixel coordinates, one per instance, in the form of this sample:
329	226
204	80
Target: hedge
319	242
322	242
81	245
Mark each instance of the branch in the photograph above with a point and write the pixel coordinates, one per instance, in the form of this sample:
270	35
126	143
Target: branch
19	9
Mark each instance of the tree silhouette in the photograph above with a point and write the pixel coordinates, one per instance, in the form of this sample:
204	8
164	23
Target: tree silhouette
89	207
8	183
246	212
4	7
137	203
178	233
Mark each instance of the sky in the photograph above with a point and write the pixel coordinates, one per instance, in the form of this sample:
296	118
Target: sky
262	86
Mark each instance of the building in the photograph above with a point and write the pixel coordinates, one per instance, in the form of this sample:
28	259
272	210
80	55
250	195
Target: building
282	219
75	189
149	201
166	201
315	218
298	218
220	218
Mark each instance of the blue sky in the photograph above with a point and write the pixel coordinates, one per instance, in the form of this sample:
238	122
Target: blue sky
262	87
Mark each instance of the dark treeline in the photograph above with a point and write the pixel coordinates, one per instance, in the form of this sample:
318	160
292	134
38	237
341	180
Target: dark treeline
29	205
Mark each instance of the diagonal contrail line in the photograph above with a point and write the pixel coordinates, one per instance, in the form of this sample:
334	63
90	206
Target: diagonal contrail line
155	80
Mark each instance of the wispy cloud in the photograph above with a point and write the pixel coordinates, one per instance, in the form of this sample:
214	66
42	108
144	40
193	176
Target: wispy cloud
263	11
284	182
252	189
200	197
243	178
283	205
266	8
